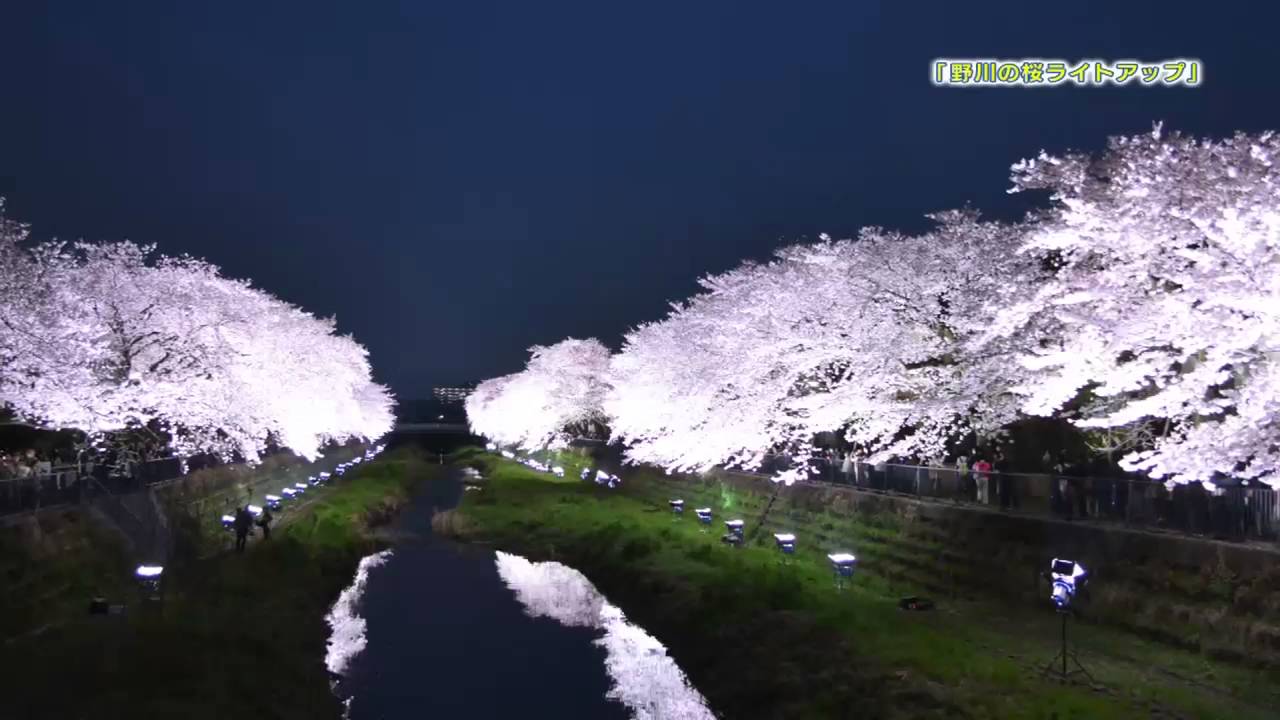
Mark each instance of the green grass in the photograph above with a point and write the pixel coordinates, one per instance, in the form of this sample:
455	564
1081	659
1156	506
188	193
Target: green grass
48	581
235	635
764	639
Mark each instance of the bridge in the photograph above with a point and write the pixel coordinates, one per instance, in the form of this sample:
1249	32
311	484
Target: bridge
434	428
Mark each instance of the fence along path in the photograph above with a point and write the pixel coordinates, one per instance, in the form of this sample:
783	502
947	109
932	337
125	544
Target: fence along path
1247	511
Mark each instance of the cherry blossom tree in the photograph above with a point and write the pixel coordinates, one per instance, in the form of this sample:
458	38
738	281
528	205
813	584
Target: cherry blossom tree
106	338
1162	316
556	397
871	336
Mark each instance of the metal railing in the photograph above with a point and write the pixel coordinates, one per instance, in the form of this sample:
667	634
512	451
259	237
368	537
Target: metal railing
60	486
1235	512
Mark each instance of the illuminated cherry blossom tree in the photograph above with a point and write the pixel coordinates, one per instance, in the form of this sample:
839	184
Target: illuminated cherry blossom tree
555	398
871	336
103	338
1163	314
1143	304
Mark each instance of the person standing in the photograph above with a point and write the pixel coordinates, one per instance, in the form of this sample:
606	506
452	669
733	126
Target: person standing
1004	483
243	522
264	522
982	477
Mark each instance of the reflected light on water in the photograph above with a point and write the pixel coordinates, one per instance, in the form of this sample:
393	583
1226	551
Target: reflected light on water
347	638
645	679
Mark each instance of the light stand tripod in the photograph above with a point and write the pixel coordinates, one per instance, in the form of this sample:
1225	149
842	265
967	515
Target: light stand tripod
1058	667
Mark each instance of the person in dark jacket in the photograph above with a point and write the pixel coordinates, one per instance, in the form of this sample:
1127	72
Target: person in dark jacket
243	523
264	522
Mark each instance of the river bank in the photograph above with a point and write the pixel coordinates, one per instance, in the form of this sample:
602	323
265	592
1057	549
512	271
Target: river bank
763	639
233	635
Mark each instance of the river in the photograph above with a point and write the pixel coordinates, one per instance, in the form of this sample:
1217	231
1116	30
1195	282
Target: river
433	628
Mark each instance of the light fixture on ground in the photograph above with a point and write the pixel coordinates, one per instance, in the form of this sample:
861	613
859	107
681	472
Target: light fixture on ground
558	471
677	507
149	576
289	493
255	510
228	522
275	502
704	517
734	534
842	564
301	487
786	543
1066	577
324	477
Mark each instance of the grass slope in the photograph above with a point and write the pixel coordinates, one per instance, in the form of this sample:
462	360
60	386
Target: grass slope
763	639
235	636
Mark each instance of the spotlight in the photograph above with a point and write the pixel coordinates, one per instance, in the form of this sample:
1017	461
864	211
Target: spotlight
842	564
255	510
734	536
289	493
1066	577
786	543
602	477
228	522
275	502
149	576
704	517
614	481
677	507
301	487
585	473
558	471
324	477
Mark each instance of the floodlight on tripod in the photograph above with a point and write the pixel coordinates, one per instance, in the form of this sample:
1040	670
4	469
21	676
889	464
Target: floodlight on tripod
1066	577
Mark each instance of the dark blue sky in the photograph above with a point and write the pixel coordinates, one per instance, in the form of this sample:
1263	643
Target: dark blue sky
457	181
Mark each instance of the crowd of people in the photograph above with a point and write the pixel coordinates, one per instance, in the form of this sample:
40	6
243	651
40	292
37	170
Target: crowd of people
24	464
1069	488
26	473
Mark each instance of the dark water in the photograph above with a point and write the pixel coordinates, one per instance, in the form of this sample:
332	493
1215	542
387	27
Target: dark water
446	638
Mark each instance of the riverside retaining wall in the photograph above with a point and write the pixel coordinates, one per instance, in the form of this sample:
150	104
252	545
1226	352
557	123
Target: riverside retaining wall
1220	598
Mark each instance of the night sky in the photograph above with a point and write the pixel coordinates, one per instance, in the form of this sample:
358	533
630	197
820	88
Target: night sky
458	181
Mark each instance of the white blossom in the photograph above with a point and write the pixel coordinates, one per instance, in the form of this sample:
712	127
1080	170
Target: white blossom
557	396
869	335
105	337
1164	309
